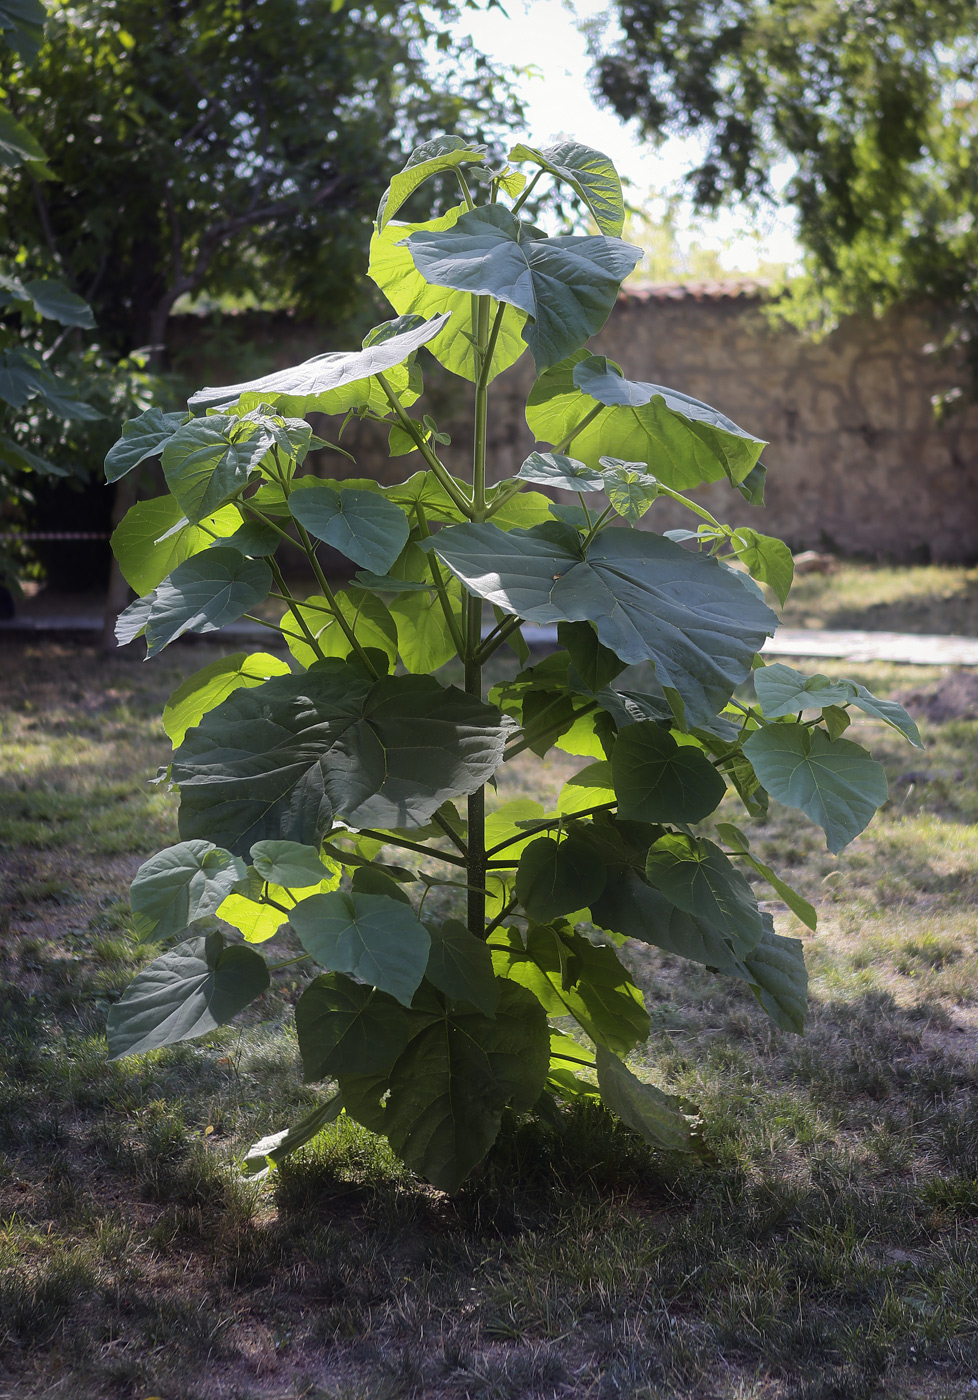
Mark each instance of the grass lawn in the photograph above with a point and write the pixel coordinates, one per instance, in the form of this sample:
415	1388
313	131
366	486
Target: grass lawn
941	598
828	1250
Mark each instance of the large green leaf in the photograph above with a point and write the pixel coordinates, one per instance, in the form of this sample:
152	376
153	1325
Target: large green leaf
155	536
590	175
331	383
558	878
683	443
209	460
431	158
367	528
183	883
269	1151
373	938
198	985
449	1088
779	979
696	876
632	907
142	438
278	761
570	976
655	1116
658	780
205	689
566	285
648	598
344	1027
833	781
392	268
424	641
781	690
738	842
201	595
460	965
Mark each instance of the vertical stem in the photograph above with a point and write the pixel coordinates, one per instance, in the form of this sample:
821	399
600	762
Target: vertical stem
476	835
481	415
476	839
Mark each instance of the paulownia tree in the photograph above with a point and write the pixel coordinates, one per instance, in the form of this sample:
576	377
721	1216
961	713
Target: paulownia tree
328	791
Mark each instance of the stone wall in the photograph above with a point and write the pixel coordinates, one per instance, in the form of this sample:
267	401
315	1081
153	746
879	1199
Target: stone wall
856	464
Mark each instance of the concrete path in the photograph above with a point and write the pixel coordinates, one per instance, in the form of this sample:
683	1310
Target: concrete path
902	648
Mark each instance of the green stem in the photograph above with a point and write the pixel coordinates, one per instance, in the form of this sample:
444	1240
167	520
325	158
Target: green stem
481	412
293	606
439	581
406	845
476	830
527	192
333	605
424	447
493	642
485	373
503	914
272	626
463	184
529	831
556	730
609	510
690	505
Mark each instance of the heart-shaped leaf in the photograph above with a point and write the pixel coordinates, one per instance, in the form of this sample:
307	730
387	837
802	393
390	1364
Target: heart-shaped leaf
683	443
647	598
346	1028
558	878
430	158
566	285
833	781
460	965
288	863
655	1116
781	690
179	885
590	174
367	528
658	780
195	987
698	878
278	761
449	1088
373	938
765	558
205	689
209	460
392	268
155	536
201	595
779	980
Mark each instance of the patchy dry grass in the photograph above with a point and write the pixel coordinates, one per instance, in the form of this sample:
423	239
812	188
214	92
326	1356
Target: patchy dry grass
828	1250
941	598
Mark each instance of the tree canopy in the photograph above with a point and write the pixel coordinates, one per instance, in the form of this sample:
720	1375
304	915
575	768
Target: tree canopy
874	105
207	145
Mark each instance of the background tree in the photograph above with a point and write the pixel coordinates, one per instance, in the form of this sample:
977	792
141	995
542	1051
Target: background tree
875	106
207	146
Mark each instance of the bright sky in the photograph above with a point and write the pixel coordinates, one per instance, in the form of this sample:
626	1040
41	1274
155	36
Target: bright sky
543	33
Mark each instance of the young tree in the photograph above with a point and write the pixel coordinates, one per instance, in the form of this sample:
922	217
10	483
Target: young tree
874	104
375	742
